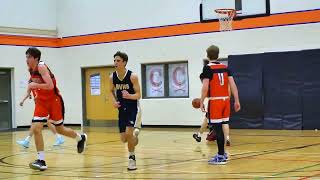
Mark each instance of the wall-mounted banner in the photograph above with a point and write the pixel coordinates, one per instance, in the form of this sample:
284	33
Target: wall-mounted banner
178	80
155	80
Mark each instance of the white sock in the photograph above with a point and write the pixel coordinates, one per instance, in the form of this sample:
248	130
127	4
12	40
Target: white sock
131	154
78	137
58	135
228	137
41	155
27	138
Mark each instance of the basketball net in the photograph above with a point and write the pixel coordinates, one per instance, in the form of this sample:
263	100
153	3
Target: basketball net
225	17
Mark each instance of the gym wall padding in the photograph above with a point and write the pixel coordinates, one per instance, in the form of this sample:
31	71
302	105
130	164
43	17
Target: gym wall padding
282	86
247	72
278	90
310	62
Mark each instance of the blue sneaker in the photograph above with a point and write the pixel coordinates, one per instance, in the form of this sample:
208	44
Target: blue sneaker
23	143
218	160
226	156
59	141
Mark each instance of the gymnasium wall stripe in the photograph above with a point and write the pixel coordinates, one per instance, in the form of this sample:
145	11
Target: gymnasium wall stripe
274	20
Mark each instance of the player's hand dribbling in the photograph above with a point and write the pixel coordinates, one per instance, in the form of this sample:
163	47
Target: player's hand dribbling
202	107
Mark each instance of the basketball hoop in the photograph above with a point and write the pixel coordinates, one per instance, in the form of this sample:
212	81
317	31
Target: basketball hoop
225	17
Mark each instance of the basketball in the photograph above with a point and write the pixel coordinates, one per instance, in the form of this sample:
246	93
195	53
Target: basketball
196	103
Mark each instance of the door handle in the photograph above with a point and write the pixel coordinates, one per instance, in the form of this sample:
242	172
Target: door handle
4	101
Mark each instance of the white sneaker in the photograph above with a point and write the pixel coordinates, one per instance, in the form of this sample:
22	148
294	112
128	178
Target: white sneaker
23	143
132	165
59	141
136	132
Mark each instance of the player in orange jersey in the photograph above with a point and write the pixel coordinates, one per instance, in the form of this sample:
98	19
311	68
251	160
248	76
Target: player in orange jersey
25	142
217	79
48	106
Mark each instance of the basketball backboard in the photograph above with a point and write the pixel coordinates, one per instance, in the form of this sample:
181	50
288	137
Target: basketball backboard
244	8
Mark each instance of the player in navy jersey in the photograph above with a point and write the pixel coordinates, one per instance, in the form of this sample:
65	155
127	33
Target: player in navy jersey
125	93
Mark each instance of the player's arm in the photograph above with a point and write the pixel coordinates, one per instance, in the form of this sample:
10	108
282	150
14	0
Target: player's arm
234	91
204	93
115	103
136	86
25	97
48	84
206	76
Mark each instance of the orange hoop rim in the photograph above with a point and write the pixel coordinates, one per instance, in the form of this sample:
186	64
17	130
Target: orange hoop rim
229	12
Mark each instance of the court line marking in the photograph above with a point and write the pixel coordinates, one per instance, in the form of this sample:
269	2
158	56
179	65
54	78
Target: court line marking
154	167
307	177
294	170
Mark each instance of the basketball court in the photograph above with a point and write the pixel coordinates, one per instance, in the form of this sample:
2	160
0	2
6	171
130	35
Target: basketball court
255	154
271	46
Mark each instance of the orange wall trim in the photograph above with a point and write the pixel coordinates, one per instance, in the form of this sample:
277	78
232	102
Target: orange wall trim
294	18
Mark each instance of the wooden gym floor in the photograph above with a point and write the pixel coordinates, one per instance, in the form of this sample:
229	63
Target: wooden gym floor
167	154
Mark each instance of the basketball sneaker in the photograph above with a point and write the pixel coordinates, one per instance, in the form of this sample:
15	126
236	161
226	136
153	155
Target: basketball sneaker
38	165
196	137
82	143
226	156
218	160
59	141
132	163
24	143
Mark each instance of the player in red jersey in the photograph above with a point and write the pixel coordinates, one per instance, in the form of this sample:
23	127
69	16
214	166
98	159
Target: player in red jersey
48	106
25	142
217	79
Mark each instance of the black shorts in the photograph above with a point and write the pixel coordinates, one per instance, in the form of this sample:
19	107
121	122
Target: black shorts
225	122
127	118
